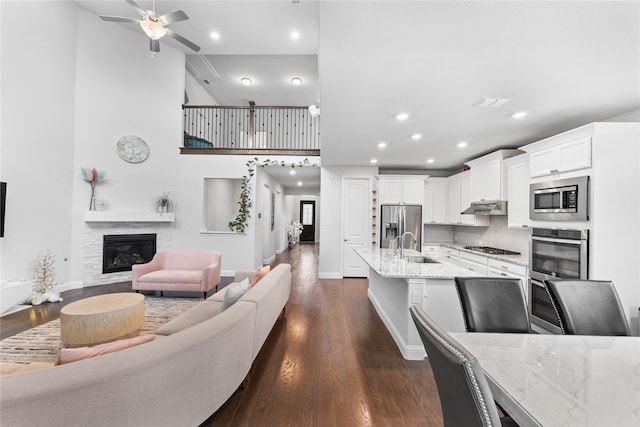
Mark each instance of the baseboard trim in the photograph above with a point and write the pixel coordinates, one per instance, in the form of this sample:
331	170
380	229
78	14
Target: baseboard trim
329	275
408	352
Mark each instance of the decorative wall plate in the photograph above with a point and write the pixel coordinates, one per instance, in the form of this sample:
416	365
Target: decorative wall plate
132	149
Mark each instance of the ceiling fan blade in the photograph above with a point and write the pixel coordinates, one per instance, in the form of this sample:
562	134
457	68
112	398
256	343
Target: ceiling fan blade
154	45
137	7
171	17
182	40
119	19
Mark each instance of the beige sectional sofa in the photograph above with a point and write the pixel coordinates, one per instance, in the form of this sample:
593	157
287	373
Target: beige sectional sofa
179	379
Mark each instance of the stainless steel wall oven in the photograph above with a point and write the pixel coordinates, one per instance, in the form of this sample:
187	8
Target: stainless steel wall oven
554	254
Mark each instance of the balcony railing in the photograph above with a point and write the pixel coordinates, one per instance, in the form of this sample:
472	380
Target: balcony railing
252	129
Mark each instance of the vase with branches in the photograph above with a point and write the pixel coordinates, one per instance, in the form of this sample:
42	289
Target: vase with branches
93	177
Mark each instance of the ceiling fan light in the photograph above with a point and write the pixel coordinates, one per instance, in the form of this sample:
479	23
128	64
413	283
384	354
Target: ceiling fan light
154	29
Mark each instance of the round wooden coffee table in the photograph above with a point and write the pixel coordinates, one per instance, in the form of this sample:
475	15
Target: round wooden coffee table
101	319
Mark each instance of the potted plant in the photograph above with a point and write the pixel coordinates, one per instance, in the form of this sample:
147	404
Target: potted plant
164	203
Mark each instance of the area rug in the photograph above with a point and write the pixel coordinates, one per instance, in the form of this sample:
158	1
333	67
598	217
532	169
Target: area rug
42	343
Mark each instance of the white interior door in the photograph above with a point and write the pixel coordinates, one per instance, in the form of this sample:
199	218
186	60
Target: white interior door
356	220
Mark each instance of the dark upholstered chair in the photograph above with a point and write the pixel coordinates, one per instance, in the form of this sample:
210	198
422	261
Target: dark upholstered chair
587	307
493	304
465	396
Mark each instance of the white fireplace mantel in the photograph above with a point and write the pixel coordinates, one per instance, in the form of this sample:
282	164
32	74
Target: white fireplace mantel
124	216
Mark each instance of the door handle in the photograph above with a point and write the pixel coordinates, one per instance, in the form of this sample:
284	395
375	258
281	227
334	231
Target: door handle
346	240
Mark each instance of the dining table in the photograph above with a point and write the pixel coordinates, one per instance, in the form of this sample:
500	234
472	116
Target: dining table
561	380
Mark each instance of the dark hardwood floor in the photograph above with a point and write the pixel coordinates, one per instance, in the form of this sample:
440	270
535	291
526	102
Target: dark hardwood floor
329	361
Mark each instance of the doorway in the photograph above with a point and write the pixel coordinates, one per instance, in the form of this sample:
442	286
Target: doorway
308	220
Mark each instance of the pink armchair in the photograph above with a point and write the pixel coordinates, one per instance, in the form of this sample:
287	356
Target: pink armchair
178	271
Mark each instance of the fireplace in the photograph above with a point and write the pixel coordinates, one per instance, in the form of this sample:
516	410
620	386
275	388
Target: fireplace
121	251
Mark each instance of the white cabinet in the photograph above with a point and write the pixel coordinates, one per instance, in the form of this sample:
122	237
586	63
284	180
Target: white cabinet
432	251
561	158
459	198
449	255
474	262
517	171
434	209
487	177
486	181
393	190
500	268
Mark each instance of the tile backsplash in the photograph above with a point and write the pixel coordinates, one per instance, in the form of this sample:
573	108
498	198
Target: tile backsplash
497	235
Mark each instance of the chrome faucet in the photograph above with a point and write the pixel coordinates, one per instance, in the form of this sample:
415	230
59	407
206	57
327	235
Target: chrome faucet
401	242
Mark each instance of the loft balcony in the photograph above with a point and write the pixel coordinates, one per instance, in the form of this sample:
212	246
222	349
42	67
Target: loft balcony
253	130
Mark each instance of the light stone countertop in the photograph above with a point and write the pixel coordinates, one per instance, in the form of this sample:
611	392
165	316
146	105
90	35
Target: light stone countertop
522	259
561	380
386	264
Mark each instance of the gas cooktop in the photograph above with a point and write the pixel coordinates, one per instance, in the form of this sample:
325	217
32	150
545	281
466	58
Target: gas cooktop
490	250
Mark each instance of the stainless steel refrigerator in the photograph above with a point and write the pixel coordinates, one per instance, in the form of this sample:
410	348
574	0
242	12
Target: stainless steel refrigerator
398	219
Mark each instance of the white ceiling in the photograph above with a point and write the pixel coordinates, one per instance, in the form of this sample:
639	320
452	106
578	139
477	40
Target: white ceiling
566	63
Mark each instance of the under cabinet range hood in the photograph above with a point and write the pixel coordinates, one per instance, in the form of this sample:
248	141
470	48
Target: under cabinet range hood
496	207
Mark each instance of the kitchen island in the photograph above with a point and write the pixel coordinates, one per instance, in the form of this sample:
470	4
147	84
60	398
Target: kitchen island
395	284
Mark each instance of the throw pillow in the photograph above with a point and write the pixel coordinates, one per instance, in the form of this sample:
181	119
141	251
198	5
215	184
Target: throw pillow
235	291
68	355
260	273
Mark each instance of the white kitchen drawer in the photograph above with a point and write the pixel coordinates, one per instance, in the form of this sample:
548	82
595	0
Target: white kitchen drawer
430	248
481	269
449	258
480	259
449	251
507	267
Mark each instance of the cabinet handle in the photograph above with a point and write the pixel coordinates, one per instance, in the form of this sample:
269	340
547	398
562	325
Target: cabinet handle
502	274
504	267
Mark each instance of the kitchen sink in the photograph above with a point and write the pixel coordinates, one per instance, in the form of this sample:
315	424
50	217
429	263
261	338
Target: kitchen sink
422	260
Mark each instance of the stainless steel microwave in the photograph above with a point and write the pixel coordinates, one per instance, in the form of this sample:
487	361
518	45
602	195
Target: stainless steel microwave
560	200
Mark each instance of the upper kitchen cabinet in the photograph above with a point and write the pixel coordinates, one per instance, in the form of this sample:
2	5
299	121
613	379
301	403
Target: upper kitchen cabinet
434	210
517	172
488	182
400	189
459	198
561	158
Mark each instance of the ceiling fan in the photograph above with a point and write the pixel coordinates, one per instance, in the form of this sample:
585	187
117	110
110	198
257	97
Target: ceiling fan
154	26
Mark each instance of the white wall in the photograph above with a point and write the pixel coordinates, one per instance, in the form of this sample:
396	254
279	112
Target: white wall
196	93
330	260
629	116
239	251
37	116
121	90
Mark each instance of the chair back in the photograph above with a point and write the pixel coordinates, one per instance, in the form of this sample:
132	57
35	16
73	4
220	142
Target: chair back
493	304
587	307
465	396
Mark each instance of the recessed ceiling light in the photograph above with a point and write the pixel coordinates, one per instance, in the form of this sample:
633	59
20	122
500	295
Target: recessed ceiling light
382	144
374	161
215	35
416	136
246	81
299	183
462	144
519	114
295	35
430	160
402	116
292	172
296	81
